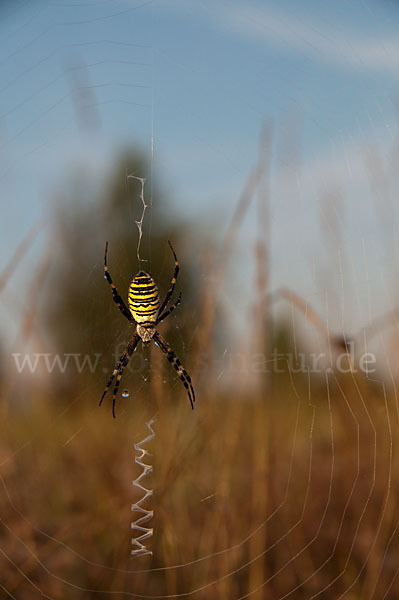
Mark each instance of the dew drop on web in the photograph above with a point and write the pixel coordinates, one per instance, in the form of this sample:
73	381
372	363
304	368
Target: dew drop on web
125	394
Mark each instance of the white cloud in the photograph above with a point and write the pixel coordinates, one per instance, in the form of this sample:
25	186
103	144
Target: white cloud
315	40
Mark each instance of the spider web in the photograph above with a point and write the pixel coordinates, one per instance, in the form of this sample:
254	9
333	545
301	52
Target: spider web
273	487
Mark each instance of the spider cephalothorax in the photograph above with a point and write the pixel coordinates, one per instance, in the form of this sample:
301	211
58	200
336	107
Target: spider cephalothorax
146	332
145	312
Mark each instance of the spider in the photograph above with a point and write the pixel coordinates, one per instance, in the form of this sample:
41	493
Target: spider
146	313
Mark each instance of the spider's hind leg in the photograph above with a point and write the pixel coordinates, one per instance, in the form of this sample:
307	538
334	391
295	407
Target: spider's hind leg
172	283
115	294
167	312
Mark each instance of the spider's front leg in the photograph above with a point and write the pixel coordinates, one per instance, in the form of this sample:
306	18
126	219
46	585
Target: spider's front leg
176	364
118	371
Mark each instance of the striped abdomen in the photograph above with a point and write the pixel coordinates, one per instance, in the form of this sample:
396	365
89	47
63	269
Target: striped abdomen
143	298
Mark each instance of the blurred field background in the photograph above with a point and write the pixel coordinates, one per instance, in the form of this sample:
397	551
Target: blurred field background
283	482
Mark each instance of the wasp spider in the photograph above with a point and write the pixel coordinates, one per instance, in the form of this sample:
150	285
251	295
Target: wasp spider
145	311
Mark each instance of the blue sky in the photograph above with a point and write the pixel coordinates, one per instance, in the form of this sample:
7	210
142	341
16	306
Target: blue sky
200	78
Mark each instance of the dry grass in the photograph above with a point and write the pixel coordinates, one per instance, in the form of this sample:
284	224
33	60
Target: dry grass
272	492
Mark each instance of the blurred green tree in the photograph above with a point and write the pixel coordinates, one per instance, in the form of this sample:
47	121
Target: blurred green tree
80	316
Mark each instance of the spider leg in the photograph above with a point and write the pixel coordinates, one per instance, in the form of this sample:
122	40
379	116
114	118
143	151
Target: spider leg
117	382
167	312
172	284
110	380
117	298
118	371
176	364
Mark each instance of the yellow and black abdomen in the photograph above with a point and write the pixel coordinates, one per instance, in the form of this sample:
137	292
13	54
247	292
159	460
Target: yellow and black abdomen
143	298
